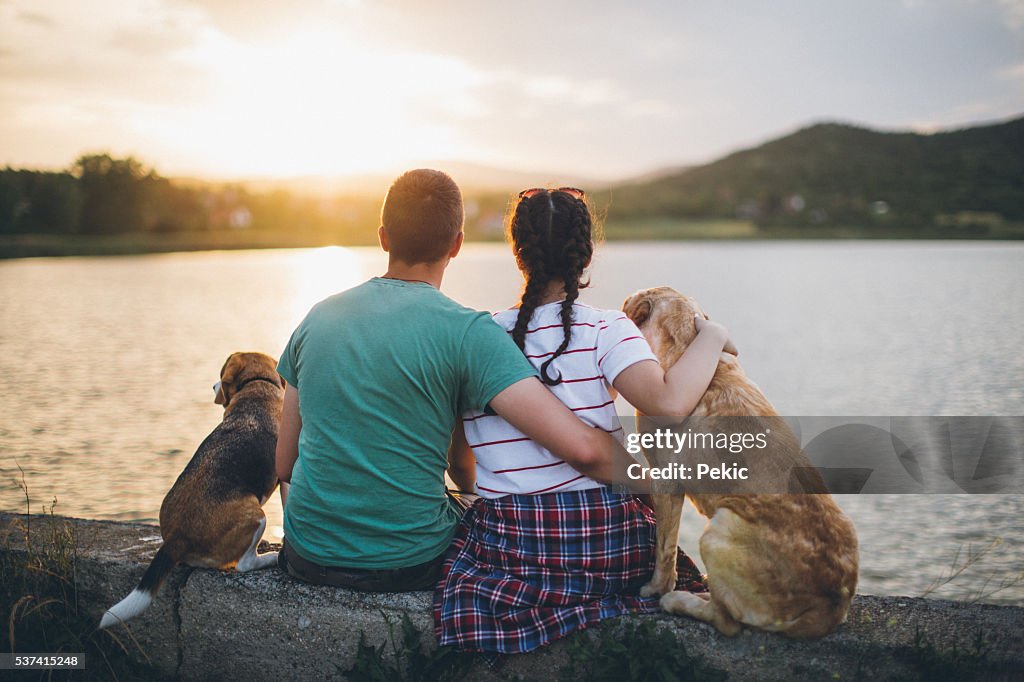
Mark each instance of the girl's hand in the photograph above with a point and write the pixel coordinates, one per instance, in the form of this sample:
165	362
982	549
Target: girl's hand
707	326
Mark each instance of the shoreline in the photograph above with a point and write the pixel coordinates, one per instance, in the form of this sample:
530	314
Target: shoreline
60	246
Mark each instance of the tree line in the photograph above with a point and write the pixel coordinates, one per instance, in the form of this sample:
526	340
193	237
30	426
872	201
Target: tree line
103	195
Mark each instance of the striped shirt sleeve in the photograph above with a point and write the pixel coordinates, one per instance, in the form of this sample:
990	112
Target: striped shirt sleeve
619	345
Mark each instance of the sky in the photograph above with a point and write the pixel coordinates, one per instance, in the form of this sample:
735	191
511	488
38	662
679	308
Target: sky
264	88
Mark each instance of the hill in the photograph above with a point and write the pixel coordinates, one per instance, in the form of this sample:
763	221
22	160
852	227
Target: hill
832	176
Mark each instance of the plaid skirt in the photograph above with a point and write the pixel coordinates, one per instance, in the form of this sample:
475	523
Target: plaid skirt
526	570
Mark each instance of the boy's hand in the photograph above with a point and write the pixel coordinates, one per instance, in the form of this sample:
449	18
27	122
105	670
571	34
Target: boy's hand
707	326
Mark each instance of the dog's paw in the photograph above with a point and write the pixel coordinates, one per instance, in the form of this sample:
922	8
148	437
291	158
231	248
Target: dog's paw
658	585
268	560
701	607
682	603
256	562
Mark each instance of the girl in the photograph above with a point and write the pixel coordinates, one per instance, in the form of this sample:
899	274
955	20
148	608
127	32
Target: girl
546	550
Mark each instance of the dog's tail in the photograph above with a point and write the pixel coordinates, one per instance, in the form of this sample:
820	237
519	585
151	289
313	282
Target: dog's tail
142	596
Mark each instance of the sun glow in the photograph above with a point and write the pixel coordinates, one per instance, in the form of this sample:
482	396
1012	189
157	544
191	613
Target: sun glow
318	273
317	103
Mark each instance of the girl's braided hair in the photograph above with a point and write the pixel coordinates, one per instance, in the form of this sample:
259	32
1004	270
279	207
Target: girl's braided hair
551	234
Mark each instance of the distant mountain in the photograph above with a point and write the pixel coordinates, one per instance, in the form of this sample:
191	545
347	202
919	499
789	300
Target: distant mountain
655	174
473	178
831	175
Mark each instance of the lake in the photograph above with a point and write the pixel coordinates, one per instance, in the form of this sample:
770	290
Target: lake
106	365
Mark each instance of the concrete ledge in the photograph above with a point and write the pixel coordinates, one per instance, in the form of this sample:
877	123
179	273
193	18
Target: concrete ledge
208	625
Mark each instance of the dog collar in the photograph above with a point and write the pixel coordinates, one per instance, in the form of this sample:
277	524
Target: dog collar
249	381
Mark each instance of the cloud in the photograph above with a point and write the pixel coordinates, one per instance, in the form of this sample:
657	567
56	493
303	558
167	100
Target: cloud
584	91
36	18
1014	72
88	83
115	53
262	19
954	117
650	108
1013	10
156	40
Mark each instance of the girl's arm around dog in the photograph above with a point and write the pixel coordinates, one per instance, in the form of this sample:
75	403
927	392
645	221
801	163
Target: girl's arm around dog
676	392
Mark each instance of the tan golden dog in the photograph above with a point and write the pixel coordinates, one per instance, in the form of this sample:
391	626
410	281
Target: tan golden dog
213	515
780	562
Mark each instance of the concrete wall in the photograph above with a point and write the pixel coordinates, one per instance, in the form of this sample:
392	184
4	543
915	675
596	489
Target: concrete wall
208	625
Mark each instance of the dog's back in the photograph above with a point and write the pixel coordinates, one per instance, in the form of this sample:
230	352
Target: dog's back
232	466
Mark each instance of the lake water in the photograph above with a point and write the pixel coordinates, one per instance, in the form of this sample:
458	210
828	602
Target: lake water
106	364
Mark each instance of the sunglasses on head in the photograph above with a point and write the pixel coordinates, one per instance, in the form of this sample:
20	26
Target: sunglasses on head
574	192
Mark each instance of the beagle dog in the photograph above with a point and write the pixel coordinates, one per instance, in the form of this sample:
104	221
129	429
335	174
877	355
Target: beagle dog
784	562
213	515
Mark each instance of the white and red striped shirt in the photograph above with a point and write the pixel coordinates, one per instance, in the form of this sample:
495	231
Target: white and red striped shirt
603	343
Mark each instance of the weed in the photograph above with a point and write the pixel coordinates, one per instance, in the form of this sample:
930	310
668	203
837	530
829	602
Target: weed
964	561
409	660
39	604
951	664
643	652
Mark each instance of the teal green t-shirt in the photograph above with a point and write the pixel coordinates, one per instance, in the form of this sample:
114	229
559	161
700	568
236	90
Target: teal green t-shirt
383	370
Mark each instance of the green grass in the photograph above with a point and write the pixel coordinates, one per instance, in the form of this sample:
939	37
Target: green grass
668	228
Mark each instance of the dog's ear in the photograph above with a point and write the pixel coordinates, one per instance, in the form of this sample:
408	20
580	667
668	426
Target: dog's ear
227	381
640	311
637	308
677	326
